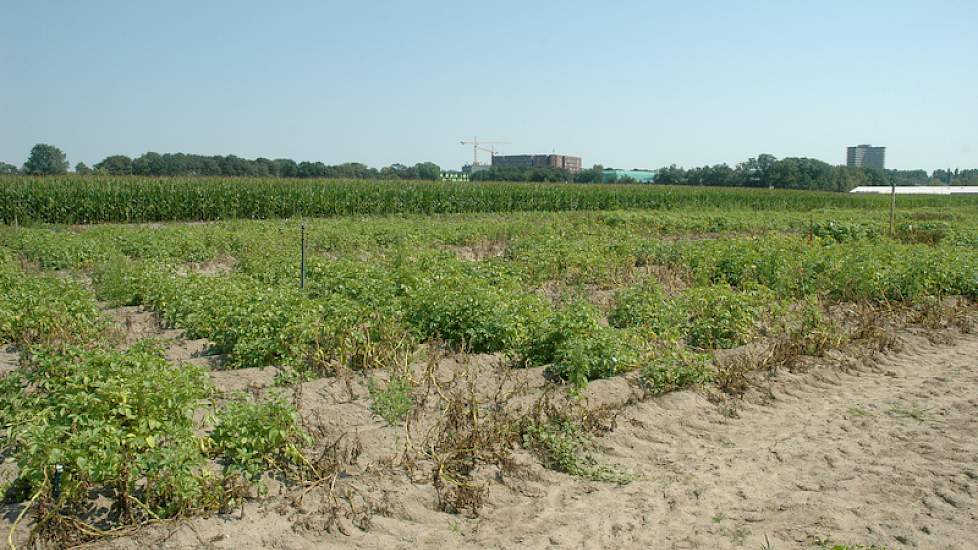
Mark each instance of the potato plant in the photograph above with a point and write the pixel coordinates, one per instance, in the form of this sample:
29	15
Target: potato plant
252	437
115	423
551	331
82	422
674	367
393	400
602	353
717	316
644	305
44	309
468	312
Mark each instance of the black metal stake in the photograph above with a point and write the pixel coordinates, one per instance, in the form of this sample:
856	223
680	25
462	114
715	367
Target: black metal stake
56	483
302	261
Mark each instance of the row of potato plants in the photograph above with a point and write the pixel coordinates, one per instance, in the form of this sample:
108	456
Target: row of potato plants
82	417
43	308
263	319
260	318
60	247
351	308
854	271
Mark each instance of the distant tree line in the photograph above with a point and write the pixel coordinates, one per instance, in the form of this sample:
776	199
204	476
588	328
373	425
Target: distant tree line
49	160
762	171
805	173
955	177
180	164
537	174
767	171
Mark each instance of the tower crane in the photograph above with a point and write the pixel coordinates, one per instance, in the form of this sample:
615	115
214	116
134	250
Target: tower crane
478	146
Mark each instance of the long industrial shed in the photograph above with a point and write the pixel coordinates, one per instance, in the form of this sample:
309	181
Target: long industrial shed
919	190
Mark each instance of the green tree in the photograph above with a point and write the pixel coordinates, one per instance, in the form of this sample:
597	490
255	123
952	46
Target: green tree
591	175
427	171
353	170
46	159
82	168
285	168
262	167
312	170
672	174
909	177
232	165
7	168
116	165
149	164
756	172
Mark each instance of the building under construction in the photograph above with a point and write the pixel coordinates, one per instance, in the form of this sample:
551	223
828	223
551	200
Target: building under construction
563	162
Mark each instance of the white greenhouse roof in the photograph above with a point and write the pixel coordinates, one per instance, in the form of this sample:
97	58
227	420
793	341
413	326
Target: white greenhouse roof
919	189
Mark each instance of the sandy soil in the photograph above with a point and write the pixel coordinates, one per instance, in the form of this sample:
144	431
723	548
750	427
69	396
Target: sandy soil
881	455
136	324
884	455
8	360
480	251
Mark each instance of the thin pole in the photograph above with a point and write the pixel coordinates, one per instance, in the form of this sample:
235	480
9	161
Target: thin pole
302	261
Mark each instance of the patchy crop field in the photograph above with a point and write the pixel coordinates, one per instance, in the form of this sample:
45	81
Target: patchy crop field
776	373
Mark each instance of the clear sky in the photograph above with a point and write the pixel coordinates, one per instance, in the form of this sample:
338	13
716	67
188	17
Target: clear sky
625	84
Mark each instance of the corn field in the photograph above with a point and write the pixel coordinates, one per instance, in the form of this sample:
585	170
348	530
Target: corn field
85	200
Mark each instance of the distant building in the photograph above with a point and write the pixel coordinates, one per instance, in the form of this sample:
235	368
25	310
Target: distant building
611	175
918	190
866	156
563	162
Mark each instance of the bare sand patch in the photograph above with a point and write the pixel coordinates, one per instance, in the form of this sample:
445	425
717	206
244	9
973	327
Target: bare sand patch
871	455
136	323
8	360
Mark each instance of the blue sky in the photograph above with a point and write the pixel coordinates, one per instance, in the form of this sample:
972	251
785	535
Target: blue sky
625	84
